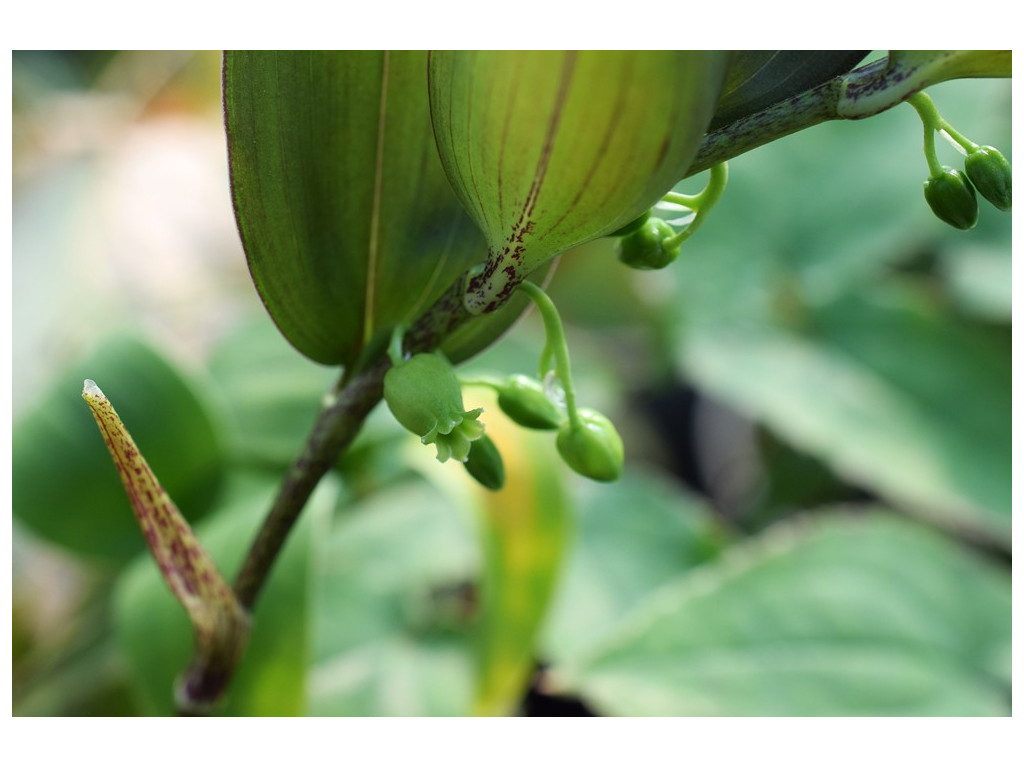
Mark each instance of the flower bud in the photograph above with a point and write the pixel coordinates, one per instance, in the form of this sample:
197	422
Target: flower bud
485	464
952	198
593	448
424	396
525	402
989	171
645	248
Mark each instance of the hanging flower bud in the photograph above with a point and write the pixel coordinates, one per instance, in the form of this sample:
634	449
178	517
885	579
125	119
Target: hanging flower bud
989	171
952	198
645	248
485	465
525	402
424	396
593	447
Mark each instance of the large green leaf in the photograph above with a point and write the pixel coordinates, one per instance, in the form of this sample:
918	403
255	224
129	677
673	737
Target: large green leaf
854	615
347	220
632	537
157	638
390	633
65	487
889	404
758	79
549	149
270	394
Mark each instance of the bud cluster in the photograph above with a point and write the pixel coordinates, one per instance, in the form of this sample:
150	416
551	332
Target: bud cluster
950	193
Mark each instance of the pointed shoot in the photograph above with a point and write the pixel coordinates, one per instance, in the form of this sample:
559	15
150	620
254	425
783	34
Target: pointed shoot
221	624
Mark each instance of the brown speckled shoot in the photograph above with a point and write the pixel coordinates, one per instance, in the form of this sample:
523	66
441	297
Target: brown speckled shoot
221	624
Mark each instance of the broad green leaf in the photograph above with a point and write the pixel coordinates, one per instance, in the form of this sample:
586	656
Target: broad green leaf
632	537
348	223
915	410
64	485
857	614
270	394
390	632
757	79
549	149
271	678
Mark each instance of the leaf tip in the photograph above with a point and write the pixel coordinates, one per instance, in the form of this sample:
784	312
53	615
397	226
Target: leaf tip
89	388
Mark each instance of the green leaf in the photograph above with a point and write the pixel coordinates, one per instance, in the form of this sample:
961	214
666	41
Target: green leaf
757	79
632	537
390	635
271	678
348	223
913	408
64	485
549	149
980	278
270	394
855	615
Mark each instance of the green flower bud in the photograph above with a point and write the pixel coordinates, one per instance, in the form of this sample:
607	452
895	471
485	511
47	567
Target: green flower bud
524	401
485	464
952	198
645	248
592	449
424	396
989	171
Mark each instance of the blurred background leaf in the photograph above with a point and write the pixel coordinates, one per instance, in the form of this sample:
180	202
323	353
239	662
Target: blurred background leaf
862	615
390	631
66	487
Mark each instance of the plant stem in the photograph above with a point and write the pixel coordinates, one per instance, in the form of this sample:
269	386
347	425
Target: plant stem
864	92
556	345
345	408
932	122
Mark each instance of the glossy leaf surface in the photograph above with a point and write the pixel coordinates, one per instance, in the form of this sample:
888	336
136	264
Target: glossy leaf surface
549	149
347	220
854	615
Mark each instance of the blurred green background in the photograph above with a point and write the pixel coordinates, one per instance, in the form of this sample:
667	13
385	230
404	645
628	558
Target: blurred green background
815	401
